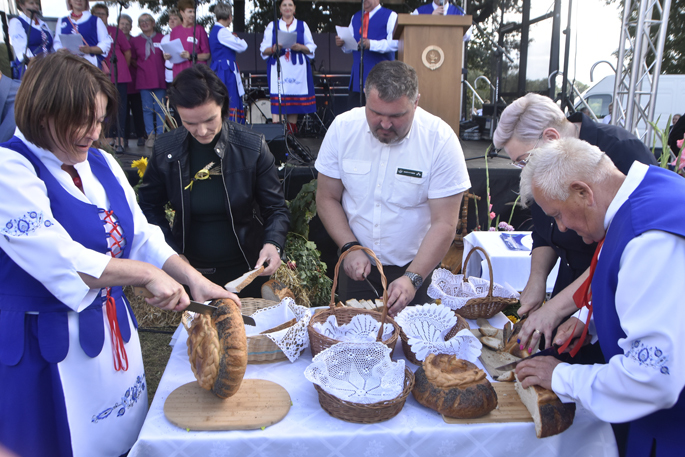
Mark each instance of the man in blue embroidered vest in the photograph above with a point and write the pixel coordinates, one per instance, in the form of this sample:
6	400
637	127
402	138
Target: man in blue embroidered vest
439	8
372	29
637	305
391	177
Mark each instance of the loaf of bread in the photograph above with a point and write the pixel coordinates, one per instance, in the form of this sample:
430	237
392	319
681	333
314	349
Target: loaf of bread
245	280
217	348
550	415
276	291
454	387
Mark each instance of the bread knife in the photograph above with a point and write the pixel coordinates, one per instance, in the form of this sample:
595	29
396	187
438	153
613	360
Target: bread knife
553	351
371	286
194	306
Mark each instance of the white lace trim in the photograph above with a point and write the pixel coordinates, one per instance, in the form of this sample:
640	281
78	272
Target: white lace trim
362	328
454	292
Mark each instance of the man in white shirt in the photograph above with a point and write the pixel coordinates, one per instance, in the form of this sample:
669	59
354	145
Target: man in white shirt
634	306
391	178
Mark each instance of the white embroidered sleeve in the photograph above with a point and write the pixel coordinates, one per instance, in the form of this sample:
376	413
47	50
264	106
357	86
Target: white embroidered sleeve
650	374
309	41
18	38
35	241
57	42
231	41
267	40
104	40
387	45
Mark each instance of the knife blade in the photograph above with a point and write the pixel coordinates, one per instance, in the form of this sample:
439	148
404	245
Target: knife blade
194	306
553	351
371	286
205	308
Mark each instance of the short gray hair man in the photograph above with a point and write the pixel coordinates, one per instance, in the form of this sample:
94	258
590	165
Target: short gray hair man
392	79
552	168
223	11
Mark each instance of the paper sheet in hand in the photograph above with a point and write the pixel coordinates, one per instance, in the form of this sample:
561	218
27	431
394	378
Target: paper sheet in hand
345	34
72	42
287	39
514	242
175	48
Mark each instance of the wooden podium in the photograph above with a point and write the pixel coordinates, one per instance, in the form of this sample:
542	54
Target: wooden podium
434	46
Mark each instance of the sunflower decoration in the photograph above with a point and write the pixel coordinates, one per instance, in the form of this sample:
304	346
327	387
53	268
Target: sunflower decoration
141	165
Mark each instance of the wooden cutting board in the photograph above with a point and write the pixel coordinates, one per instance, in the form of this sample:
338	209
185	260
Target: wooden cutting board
509	408
258	403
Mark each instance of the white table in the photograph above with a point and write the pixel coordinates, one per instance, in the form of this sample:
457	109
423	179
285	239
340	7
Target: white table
506	263
308	430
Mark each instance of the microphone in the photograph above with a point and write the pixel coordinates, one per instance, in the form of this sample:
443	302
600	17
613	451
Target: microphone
34	12
441	2
123	3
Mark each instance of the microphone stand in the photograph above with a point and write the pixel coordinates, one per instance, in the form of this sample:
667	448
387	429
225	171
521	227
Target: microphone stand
193	56
25	58
361	57
279	87
113	66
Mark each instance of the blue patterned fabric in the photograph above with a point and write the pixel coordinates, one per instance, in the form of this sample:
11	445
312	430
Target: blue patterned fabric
378	24
40	42
650	207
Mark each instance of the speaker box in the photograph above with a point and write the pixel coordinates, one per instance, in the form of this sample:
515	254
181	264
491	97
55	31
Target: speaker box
275	139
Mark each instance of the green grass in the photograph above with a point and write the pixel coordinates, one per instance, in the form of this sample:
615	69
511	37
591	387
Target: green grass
156	353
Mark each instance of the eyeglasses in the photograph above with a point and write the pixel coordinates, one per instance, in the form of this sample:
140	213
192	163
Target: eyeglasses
522	162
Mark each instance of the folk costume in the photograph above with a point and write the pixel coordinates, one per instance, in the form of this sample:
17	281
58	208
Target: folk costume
71	372
91	28
224	45
297	80
638	315
40	41
150	78
449	10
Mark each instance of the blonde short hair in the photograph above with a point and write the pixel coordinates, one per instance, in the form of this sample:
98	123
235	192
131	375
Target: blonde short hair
526	118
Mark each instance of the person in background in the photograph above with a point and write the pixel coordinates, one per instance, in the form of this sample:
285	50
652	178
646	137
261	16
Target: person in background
135	106
438	7
607	119
676	133
376	190
175	20
629	301
297	81
186	34
19	27
220	178
71	371
372	28
96	40
148	58
122	78
224	45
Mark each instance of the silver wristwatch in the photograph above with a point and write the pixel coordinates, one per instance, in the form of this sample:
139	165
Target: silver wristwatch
415	279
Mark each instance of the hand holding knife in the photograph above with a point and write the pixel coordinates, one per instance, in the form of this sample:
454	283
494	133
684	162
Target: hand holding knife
552	350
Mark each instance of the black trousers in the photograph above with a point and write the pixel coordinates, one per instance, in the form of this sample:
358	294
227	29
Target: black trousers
360	290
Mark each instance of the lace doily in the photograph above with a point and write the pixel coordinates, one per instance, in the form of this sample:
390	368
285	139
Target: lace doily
454	292
292	340
362	328
358	372
426	327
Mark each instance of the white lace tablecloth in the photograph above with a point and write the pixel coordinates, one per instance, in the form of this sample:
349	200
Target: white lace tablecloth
508	266
308	430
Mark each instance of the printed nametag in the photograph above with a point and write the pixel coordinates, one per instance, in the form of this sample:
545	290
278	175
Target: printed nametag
158	45
190	40
412	173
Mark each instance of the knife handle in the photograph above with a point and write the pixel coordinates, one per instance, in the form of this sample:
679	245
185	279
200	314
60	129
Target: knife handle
140	291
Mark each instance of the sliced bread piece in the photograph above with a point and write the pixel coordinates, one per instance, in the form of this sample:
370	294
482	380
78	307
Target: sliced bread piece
550	415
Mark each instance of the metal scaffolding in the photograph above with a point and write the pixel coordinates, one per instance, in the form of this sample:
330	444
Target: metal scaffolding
640	52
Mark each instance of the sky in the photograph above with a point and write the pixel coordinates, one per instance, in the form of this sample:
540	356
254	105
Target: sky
595	34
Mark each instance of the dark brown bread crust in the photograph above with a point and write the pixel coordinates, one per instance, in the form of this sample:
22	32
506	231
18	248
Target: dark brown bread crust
473	400
555	416
233	361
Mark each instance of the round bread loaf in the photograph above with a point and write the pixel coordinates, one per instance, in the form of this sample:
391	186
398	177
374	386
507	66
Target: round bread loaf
217	348
454	387
276	291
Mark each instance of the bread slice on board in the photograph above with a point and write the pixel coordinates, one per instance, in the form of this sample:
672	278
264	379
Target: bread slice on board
550	415
242	282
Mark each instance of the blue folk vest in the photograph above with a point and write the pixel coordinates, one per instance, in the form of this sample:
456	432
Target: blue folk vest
652	206
222	56
88	30
21	293
36	44
296	57
378	30
451	9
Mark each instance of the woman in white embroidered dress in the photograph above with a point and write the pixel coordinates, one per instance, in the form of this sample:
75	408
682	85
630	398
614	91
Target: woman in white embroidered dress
71	375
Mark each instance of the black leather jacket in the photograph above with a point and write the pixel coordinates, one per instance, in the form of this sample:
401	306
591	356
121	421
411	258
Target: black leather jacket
255	199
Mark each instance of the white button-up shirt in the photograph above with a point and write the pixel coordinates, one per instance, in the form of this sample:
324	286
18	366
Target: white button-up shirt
387	186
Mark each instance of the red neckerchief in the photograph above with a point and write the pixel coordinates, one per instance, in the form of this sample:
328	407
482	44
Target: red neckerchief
583	298
76	16
364	31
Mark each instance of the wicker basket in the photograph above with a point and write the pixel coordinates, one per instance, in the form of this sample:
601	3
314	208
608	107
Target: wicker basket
366	414
344	315
260	348
486	306
409	354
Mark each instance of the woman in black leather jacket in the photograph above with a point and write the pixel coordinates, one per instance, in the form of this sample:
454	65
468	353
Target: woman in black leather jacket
221	181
